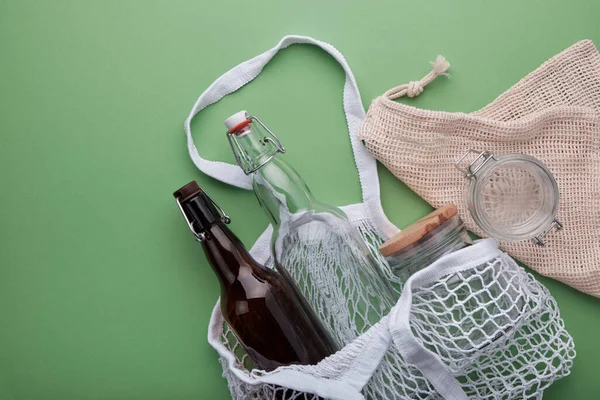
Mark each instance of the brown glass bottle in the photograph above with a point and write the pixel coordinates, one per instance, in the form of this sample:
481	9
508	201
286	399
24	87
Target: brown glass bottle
265	310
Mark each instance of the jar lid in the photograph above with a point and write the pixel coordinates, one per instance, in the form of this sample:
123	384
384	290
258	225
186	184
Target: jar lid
512	197
418	230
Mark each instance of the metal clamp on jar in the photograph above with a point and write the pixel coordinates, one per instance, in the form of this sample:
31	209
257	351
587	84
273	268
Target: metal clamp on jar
512	197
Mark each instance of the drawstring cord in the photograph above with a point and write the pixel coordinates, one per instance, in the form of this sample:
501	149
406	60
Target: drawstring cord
415	88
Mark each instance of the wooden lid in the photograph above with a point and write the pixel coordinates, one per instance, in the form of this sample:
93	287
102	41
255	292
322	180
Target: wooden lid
417	230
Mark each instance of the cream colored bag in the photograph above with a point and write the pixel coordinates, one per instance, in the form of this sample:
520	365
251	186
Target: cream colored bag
552	114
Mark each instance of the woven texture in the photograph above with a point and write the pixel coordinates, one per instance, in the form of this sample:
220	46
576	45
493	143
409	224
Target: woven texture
492	327
552	114
337	277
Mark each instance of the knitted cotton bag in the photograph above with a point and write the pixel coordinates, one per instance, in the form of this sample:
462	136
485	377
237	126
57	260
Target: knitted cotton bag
553	114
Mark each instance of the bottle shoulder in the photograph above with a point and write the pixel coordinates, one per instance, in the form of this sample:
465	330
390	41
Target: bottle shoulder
252	282
317	223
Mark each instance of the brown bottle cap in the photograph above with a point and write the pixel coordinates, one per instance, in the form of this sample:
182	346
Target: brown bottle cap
187	191
418	230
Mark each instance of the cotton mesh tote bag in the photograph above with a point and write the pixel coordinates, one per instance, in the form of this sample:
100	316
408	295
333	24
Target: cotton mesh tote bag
553	114
473	325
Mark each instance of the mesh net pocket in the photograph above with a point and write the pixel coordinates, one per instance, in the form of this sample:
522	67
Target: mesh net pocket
496	330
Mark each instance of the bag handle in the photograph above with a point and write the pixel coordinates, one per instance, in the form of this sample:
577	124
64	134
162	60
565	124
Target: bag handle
244	73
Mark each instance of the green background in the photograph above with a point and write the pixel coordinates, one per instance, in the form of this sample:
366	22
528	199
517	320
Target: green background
103	292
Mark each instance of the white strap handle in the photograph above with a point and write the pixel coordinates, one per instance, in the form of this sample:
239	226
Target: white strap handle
244	73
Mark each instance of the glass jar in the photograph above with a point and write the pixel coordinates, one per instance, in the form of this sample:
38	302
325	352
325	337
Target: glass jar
440	233
513	197
417	246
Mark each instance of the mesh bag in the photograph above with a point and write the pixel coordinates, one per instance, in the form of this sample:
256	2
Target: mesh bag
551	114
472	325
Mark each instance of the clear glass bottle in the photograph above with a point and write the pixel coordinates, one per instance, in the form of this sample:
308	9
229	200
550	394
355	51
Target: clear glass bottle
314	242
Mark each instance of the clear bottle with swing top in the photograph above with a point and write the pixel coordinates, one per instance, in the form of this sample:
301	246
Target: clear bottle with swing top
312	241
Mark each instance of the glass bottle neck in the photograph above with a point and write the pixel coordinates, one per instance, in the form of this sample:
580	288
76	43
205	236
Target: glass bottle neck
279	188
447	238
225	252
255	149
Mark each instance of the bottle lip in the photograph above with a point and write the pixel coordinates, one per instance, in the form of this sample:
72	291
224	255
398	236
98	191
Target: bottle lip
232	122
187	191
236	129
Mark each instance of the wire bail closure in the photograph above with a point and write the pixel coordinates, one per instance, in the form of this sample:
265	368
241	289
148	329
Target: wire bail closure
201	236
555	226
245	164
483	157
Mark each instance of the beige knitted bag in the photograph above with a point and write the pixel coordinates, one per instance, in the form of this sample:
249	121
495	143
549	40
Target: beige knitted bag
553	114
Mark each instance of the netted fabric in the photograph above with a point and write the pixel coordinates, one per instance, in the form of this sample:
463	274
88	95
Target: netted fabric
494	328
553	114
335	273
392	379
241	390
